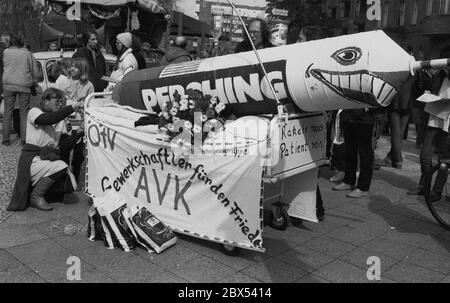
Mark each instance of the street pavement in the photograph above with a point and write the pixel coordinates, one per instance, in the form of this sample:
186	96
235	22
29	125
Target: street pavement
388	224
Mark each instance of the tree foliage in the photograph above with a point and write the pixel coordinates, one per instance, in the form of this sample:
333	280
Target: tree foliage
13	12
303	13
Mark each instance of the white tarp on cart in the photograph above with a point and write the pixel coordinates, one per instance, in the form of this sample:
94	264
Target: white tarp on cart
216	197
149	5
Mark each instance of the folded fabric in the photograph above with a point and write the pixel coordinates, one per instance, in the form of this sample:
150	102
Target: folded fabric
49	153
147	120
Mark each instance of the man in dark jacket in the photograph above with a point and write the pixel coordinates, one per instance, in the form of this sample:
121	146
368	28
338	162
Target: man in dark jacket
136	46
2	48
259	33
4	43
91	52
358	130
177	53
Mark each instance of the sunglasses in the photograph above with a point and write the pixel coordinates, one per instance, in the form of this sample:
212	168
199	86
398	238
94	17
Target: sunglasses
57	101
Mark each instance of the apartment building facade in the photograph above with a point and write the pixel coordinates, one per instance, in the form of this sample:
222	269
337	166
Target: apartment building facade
422	24
219	14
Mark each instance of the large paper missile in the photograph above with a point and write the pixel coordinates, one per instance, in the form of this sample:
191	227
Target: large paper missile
352	71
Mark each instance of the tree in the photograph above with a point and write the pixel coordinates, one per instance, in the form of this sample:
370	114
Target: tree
169	6
12	14
302	13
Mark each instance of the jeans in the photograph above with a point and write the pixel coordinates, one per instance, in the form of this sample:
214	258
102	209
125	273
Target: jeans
398	121
10	101
435	140
358	141
338	157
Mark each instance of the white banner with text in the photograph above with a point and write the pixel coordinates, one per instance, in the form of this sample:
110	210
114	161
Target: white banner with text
215	197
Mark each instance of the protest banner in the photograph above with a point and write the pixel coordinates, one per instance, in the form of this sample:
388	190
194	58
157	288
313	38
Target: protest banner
212	196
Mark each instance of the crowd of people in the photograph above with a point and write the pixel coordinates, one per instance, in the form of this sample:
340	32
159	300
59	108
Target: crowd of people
52	131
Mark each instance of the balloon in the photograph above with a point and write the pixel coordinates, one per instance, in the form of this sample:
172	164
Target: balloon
352	71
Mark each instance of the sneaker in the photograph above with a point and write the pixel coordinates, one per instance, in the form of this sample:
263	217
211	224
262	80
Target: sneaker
357	193
296	222
397	165
342	186
416	192
320	215
381	163
339	177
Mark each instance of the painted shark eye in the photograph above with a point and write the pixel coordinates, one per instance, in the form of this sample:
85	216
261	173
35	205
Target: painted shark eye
347	56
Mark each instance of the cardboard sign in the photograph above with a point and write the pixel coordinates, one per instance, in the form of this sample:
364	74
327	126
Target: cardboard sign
300	142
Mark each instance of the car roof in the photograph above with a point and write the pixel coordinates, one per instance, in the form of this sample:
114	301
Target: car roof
65	54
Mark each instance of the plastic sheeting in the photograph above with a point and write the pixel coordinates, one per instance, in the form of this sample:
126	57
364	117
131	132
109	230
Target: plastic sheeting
149	5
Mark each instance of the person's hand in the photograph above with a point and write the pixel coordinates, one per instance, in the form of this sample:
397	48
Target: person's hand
78	106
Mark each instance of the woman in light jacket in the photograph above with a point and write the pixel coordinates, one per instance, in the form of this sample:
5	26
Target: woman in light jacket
126	62
19	74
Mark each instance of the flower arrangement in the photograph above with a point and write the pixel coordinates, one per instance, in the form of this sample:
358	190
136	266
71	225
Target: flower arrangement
193	114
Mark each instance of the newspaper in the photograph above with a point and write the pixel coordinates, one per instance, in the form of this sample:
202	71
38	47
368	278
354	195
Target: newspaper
428	97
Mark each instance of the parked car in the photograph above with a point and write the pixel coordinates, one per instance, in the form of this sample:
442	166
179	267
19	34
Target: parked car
47	59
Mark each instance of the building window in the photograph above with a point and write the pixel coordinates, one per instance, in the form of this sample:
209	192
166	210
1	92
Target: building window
385	14
347	9
429	7
333	12
443	7
415	13
357	8
401	16
344	9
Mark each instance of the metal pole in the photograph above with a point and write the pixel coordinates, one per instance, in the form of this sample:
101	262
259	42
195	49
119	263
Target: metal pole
180	23
419	65
281	110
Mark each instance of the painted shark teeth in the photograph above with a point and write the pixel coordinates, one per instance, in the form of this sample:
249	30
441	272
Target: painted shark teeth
361	81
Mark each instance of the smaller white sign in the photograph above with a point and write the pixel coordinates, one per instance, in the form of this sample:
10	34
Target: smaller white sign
428	97
299	143
280	12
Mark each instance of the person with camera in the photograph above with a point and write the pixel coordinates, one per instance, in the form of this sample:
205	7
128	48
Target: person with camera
40	171
19	80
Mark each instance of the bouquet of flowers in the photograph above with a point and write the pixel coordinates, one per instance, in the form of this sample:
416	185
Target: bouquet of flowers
193	114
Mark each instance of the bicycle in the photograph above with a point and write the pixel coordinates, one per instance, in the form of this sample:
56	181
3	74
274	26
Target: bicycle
439	209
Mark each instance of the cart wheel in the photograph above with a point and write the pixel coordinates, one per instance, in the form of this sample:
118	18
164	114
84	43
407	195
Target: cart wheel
229	250
280	222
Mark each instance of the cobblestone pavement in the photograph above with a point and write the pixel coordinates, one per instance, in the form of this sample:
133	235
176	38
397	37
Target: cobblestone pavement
8	167
387	224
